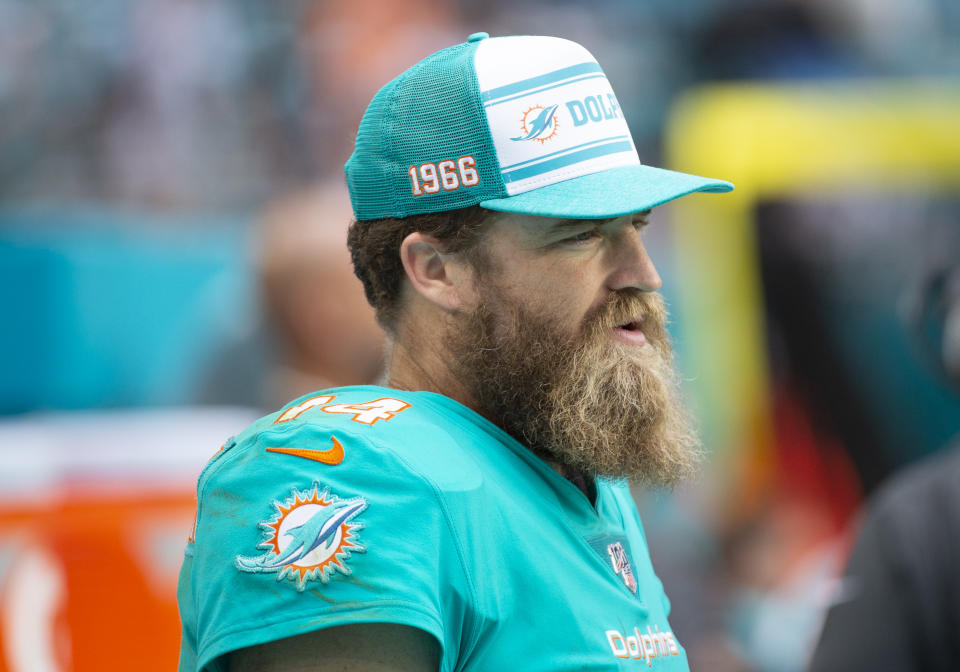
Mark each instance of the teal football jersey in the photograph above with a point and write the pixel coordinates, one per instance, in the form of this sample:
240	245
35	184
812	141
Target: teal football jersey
368	504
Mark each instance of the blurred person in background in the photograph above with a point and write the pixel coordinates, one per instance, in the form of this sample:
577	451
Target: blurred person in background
474	514
898	605
314	329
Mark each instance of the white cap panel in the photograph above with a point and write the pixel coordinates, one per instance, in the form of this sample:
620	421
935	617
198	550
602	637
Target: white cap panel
551	118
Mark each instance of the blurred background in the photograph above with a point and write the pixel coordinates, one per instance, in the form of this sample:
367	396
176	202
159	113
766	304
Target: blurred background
173	265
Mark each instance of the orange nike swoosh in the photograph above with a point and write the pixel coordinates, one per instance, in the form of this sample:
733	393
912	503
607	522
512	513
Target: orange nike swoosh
329	456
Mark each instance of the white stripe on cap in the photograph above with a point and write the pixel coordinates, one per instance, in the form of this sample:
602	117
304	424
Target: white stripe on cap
552	113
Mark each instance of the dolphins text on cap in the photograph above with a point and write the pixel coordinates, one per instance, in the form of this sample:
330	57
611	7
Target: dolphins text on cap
594	108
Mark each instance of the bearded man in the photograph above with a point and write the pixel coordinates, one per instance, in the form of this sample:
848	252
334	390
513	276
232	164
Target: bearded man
473	514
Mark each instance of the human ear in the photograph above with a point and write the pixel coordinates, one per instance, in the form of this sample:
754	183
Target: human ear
434	274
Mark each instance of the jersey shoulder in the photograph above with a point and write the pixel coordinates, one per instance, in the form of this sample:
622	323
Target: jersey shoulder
355	430
329	496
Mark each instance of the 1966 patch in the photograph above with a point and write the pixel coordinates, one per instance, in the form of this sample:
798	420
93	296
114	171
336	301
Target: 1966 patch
310	537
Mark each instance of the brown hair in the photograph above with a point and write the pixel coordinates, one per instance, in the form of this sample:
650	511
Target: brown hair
375	250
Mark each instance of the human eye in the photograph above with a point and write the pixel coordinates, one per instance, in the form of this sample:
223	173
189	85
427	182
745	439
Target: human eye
641	220
580	238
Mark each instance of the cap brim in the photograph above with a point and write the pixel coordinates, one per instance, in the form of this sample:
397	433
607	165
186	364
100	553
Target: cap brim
609	193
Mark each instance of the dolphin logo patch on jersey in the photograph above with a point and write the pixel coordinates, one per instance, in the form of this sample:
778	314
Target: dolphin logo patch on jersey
538	123
310	537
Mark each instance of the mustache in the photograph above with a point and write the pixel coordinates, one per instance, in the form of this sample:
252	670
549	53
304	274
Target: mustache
631	305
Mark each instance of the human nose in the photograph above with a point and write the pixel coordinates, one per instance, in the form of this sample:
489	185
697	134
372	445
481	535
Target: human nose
631	265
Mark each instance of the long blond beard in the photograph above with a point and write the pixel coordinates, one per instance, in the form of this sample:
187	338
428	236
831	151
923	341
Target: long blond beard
585	402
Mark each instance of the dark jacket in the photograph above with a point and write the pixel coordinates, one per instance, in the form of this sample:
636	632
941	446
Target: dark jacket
899	605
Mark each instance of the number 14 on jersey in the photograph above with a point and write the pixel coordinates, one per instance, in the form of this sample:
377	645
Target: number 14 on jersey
366	413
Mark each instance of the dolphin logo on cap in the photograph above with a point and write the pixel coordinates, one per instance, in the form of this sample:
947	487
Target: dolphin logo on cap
544	122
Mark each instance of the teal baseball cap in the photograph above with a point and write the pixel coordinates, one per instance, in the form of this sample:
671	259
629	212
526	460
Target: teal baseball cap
521	124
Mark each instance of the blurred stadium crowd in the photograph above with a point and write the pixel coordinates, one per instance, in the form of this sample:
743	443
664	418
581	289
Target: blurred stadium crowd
172	265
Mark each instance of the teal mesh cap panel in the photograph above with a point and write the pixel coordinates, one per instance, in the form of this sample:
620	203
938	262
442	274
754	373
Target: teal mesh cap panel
430	114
